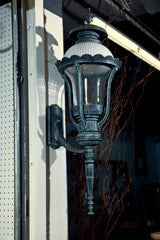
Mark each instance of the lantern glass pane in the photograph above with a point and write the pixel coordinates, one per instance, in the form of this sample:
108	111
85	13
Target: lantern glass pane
94	78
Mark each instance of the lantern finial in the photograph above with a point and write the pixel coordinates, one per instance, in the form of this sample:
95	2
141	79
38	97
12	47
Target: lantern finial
89	17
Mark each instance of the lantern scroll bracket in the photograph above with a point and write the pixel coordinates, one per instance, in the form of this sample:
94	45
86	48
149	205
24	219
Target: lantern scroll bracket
54	124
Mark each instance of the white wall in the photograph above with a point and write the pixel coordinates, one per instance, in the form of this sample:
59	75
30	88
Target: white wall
9	125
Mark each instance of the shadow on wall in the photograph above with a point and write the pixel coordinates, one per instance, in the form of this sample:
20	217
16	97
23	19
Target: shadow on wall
49	83
44	51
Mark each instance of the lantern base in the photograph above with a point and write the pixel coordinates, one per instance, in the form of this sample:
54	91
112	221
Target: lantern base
88	138
91	110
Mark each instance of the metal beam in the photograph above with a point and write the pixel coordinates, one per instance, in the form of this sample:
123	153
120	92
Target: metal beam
135	21
123	12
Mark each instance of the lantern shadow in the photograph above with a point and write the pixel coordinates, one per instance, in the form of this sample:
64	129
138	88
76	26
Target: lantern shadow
45	50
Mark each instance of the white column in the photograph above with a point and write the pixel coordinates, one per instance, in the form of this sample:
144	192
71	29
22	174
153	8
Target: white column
58	178
47	167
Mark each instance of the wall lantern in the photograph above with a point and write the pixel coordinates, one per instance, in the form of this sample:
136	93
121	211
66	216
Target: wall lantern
88	68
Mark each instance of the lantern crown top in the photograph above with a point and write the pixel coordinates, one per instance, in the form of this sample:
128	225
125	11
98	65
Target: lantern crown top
89	16
88	32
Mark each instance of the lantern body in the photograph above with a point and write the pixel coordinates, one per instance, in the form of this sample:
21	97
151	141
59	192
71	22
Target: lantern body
88	68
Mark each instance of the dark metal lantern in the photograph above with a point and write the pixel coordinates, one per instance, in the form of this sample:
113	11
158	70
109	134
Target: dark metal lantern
88	68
